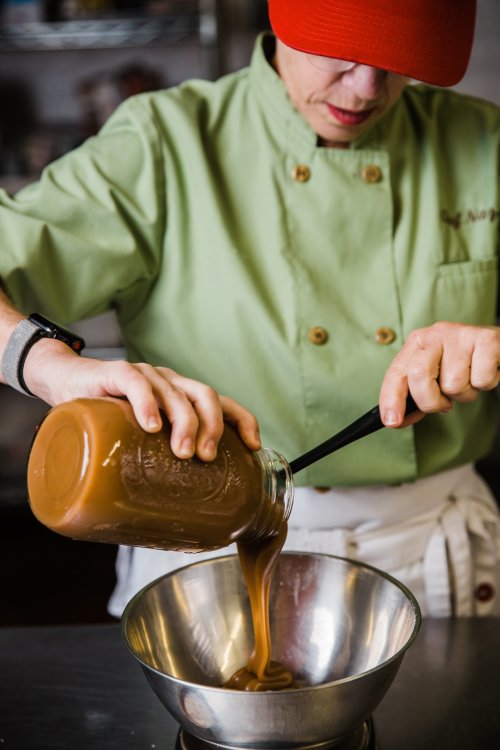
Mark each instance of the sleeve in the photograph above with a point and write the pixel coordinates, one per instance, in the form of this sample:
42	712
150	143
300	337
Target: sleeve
92	227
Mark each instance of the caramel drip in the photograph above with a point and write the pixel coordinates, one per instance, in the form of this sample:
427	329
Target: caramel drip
258	562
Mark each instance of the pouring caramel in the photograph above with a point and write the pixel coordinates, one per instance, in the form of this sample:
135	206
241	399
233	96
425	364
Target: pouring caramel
95	475
258	561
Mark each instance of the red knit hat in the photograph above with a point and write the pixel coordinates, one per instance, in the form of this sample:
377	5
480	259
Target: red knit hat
429	40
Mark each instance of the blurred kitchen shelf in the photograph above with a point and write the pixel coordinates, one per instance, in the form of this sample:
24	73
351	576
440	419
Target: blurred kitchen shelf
183	19
102	34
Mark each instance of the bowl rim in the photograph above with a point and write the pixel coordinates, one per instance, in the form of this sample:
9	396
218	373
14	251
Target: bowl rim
196	685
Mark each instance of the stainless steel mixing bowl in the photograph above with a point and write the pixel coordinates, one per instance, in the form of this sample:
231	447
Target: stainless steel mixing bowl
341	627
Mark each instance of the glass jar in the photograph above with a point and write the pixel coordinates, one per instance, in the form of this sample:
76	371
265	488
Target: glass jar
94	474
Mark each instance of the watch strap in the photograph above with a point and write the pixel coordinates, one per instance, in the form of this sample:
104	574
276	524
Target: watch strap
27	332
24	335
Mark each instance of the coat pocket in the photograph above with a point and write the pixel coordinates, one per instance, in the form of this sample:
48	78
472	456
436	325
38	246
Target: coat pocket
467	292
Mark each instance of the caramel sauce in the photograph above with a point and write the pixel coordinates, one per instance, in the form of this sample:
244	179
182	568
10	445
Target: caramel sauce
258	561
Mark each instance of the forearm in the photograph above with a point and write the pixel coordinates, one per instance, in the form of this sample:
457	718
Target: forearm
9	318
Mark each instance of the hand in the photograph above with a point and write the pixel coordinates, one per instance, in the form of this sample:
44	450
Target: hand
196	412
440	364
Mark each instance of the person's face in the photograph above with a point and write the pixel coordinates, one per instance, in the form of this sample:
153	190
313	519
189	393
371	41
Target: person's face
339	100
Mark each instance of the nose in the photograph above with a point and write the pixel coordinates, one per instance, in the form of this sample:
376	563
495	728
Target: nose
365	81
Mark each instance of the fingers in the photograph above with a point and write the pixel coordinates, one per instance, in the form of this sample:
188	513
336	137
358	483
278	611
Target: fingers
126	379
414	370
192	408
212	411
454	376
440	364
470	362
195	411
485	366
243	420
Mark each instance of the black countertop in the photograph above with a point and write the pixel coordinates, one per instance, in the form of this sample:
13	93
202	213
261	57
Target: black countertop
78	688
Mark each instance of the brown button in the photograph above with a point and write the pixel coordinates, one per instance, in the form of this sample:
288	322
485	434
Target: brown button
484	592
384	335
317	335
371	173
301	173
321	490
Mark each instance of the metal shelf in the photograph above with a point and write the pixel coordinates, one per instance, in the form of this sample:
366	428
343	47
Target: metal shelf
99	34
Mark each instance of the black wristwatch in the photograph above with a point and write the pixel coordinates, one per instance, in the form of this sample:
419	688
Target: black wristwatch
25	334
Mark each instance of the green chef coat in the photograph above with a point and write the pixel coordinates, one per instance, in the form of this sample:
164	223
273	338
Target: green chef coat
237	251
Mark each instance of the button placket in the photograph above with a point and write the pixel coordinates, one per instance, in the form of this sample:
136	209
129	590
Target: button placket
339	248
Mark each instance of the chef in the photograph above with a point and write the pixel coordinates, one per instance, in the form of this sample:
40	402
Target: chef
307	236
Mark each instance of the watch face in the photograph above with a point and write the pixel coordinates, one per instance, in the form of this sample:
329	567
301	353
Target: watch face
51	330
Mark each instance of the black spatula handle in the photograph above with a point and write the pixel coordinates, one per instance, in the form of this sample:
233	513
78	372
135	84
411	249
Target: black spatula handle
365	425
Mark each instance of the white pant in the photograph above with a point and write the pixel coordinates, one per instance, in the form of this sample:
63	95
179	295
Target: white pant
440	536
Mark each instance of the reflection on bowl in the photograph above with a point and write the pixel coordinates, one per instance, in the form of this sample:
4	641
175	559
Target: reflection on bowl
340	626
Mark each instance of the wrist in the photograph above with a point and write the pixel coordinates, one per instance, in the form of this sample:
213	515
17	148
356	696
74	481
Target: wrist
26	334
44	367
